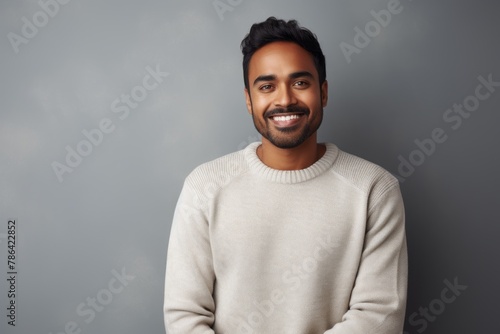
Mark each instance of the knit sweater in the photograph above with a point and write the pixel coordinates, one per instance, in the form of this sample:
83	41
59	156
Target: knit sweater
258	250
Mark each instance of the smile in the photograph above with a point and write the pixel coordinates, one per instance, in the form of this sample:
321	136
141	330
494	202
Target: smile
283	121
285	118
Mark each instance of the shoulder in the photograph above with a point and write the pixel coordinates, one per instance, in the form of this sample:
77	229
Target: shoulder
364	175
218	172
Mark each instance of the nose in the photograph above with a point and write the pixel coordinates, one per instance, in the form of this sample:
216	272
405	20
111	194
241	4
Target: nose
284	97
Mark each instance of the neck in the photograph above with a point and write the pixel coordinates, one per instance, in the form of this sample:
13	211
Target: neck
299	157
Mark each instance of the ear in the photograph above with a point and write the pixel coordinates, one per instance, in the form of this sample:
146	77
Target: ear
248	100
324	93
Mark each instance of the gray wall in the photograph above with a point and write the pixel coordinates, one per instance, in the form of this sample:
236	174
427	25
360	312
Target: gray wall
108	213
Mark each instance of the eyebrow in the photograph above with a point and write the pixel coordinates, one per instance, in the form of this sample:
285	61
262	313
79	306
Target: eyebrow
272	77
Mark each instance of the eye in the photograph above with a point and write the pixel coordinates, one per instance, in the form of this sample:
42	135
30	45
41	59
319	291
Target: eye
266	87
301	84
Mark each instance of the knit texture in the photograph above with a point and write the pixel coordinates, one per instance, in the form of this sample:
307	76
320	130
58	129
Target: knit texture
258	250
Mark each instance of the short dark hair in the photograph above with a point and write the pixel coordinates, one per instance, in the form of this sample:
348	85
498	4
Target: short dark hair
274	30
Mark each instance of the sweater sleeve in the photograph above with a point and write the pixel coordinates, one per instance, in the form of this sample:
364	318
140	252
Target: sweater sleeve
378	300
189	281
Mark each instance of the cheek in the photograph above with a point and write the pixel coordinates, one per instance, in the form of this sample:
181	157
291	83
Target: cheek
260	106
314	101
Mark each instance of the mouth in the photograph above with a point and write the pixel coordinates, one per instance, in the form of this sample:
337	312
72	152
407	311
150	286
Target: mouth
286	120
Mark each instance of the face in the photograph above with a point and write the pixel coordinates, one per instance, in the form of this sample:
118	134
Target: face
284	96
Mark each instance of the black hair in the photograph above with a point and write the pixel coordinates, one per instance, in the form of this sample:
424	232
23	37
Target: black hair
274	30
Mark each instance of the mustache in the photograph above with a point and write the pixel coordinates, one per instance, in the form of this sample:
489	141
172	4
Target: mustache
288	110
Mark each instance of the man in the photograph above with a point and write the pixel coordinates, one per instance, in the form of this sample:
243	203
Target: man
287	235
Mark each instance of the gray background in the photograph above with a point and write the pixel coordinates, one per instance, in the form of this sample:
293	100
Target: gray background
114	210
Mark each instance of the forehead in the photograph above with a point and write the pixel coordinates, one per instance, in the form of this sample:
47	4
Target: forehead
280	58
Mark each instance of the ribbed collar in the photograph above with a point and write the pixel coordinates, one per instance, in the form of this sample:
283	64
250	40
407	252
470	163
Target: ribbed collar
290	176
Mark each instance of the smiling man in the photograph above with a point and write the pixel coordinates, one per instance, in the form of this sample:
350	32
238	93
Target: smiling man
287	235
286	97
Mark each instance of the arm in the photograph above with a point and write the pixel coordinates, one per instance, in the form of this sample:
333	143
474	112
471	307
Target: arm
378	299
189	306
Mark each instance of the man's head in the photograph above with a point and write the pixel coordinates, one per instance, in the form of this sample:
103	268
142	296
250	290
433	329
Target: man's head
274	30
285	81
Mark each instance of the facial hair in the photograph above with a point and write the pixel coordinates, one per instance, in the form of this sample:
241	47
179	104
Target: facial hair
288	140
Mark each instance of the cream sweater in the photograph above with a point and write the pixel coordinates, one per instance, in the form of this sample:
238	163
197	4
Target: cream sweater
258	250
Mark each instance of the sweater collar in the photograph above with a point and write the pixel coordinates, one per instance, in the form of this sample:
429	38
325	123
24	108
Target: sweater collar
289	176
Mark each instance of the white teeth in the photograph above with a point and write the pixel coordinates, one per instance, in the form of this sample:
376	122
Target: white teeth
285	118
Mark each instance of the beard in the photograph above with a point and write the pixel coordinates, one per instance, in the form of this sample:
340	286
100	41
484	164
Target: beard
289	137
